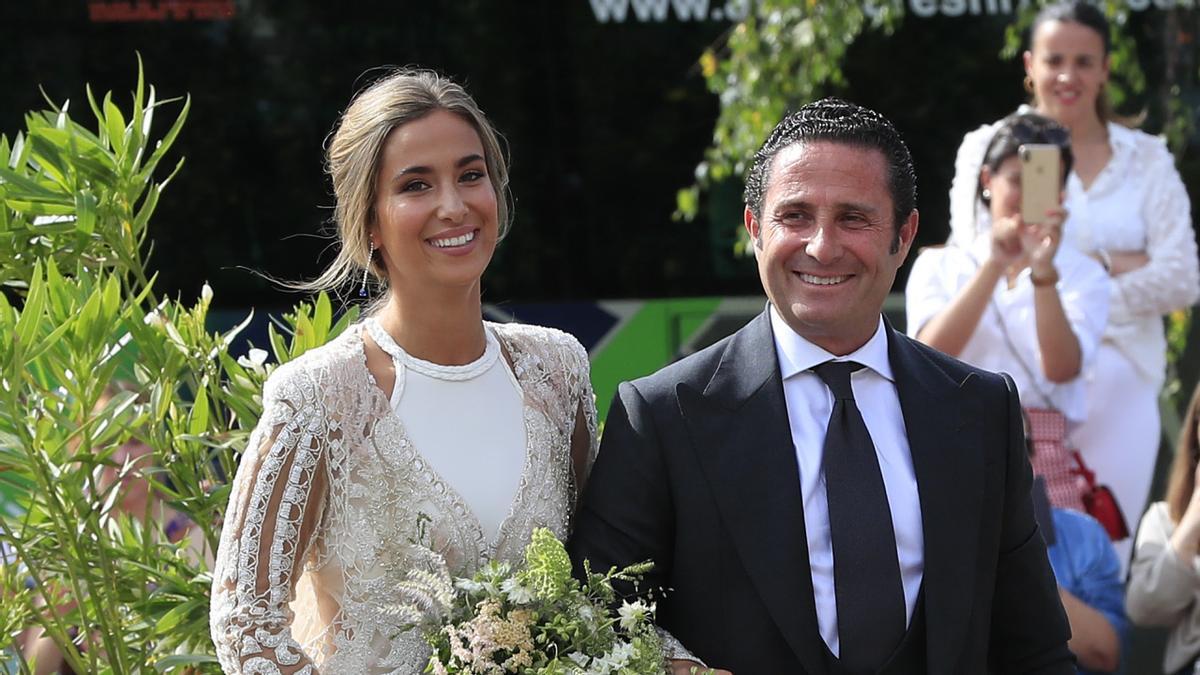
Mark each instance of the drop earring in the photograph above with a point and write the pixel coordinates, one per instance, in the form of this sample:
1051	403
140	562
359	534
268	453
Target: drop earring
362	289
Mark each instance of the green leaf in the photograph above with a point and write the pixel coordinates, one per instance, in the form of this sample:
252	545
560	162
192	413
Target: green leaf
198	422
28	189
322	317
176	660
114	123
282	355
31	313
173	618
85	212
165	142
349	317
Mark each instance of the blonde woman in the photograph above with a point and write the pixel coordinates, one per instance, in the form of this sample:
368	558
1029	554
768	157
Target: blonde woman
1129	211
420	427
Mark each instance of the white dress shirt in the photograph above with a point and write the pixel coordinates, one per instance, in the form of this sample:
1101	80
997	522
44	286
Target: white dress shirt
1006	338
809	404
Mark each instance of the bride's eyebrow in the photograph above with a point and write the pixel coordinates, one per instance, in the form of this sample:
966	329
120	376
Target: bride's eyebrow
421	169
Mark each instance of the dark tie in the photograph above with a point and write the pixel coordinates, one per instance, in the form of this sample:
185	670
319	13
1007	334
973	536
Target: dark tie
866	571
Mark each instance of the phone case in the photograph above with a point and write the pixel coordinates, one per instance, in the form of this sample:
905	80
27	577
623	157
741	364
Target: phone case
1041	182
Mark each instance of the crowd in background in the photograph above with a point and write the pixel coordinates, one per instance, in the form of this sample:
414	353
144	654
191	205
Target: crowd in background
1071	303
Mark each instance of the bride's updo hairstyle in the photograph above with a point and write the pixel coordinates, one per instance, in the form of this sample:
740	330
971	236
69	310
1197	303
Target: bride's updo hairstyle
353	152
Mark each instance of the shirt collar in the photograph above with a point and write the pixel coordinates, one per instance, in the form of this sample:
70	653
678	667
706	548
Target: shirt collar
797	354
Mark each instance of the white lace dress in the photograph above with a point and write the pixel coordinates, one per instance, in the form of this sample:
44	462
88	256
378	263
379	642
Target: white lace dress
332	496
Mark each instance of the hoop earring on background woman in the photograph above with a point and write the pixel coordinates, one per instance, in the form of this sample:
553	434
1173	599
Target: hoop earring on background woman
1028	81
362	289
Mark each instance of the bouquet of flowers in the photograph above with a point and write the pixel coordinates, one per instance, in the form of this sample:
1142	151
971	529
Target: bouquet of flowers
536	620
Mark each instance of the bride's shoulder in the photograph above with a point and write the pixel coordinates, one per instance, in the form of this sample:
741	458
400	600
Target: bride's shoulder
318	366
529	339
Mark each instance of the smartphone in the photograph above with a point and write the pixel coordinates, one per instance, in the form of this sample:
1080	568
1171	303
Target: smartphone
1041	180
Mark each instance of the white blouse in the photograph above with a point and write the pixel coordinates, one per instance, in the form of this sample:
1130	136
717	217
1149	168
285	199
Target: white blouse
1006	338
485	401
1139	203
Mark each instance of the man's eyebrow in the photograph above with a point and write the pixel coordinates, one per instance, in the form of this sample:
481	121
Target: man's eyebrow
421	169
801	202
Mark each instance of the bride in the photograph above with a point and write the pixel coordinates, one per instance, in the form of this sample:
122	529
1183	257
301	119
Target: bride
421	426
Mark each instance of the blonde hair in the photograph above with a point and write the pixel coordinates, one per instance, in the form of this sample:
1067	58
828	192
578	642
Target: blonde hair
352	161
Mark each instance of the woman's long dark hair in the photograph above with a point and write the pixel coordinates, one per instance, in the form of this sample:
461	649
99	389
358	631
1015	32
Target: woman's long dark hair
1182	481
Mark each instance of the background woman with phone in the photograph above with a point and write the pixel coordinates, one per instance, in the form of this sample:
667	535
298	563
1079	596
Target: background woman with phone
1130	212
1015	299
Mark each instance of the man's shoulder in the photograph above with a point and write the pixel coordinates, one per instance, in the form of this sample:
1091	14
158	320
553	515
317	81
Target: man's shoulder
694	370
924	356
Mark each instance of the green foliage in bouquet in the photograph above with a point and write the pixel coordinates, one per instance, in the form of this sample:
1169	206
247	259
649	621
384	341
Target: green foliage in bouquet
537	620
113	589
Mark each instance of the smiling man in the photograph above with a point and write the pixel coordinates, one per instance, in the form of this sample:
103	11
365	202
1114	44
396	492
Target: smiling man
819	493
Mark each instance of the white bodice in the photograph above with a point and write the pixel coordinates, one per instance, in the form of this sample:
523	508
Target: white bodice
334	501
467	422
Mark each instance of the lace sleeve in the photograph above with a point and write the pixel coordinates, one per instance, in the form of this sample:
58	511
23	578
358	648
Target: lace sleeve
1171	280
585	441
272	515
674	649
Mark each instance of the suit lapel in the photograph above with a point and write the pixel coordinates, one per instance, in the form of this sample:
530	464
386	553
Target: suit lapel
740	430
950	482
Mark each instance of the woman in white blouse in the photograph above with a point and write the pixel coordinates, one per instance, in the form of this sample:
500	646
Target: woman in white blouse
1129	211
423	427
1015	300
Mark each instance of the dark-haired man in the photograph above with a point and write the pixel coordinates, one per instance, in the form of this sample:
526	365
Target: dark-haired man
820	493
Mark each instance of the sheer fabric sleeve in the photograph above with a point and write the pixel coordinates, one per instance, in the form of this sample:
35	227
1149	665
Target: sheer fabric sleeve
585	440
1171	280
269	529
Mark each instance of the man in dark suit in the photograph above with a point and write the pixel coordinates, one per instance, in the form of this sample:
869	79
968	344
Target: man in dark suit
821	494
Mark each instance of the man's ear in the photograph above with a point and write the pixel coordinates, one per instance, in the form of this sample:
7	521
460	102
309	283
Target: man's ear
906	233
753	228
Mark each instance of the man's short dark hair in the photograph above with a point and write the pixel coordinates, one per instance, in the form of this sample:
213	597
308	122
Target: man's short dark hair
832	119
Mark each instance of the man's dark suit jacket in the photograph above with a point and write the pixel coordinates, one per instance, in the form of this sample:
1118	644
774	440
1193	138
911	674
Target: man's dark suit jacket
697	471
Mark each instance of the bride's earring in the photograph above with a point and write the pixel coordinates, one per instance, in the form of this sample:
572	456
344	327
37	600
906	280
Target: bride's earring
362	289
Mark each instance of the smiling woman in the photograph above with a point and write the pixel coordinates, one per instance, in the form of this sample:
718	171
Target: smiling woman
420	432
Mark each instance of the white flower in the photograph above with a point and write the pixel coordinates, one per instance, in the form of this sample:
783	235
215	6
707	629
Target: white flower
206	293
616	659
468	585
633	614
254	359
516	592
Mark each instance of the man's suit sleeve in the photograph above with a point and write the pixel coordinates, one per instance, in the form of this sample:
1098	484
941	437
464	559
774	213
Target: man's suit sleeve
1029	627
626	516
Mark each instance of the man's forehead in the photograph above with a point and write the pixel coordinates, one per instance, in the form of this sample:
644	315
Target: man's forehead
826	161
823	148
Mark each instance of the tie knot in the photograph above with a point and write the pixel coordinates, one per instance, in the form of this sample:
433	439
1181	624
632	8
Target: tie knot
836	376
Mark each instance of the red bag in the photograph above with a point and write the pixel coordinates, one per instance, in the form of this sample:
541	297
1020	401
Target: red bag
1100	503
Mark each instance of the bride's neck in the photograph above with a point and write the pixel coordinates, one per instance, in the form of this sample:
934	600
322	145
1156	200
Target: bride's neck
447	329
